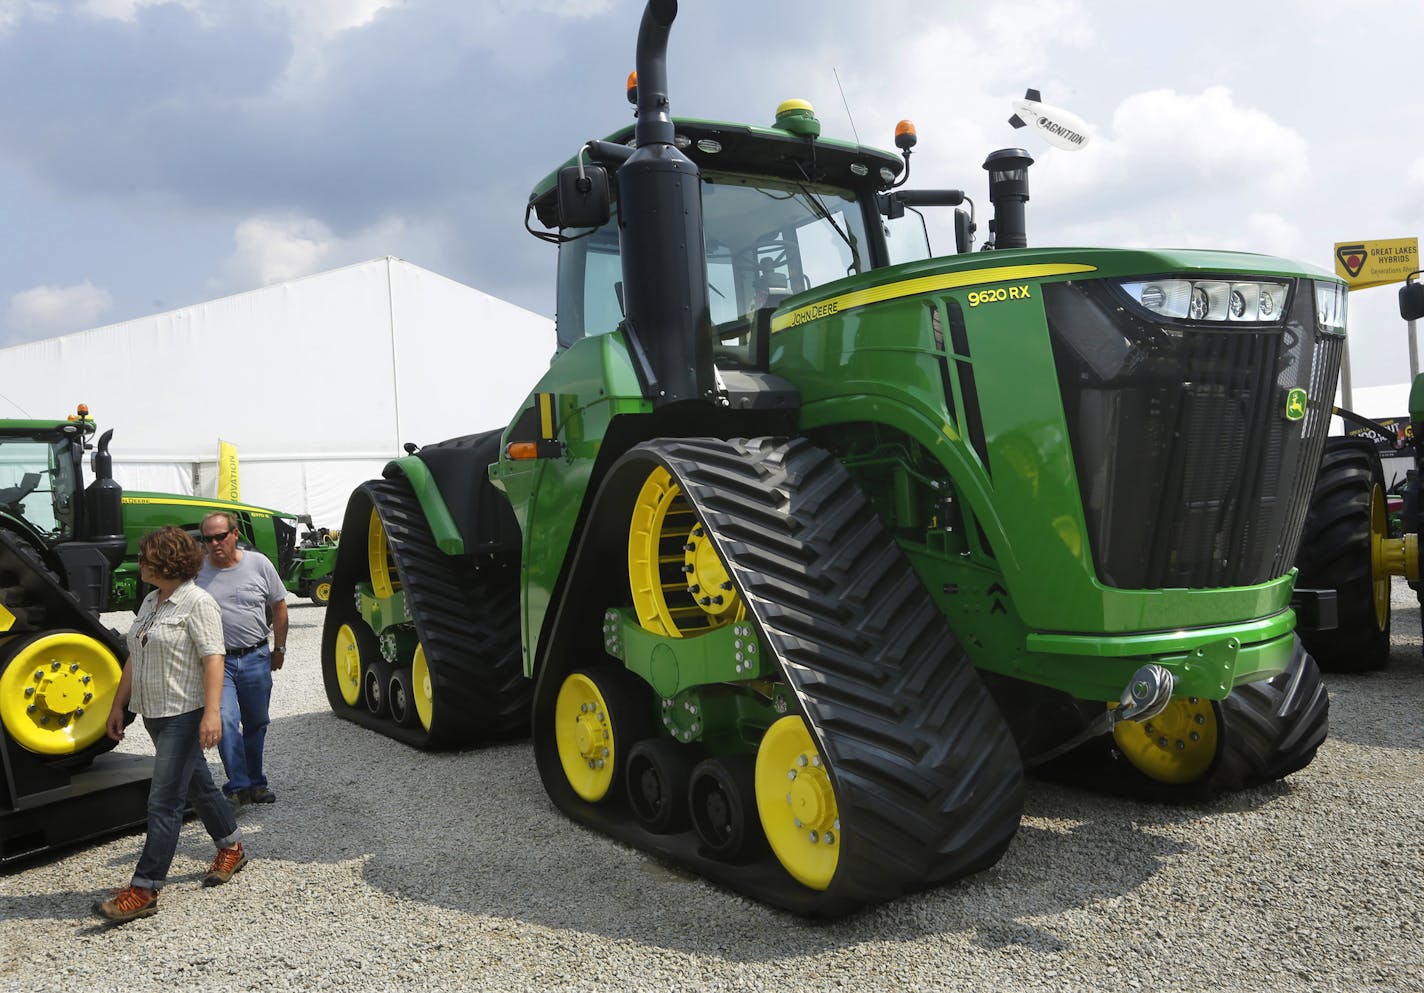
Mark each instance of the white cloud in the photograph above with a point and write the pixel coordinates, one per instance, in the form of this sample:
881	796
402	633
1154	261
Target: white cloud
270	250
275	249
43	311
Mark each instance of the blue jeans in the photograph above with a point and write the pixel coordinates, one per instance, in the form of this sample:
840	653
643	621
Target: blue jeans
180	773
247	693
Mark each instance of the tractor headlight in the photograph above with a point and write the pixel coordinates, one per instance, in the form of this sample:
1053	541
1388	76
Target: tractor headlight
1330	306
1242	301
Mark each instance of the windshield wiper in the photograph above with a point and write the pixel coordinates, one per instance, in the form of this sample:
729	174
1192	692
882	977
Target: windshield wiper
819	209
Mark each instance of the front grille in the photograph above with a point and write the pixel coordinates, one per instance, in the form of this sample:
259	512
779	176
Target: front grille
1189	472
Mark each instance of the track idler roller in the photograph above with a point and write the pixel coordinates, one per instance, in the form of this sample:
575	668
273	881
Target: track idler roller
722	799
375	687
400	696
598	717
354	642
56	690
659	772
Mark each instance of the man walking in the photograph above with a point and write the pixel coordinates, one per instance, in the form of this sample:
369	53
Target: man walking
246	586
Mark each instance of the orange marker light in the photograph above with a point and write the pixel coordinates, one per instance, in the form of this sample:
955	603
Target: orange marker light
522	450
83	410
633	87
905	136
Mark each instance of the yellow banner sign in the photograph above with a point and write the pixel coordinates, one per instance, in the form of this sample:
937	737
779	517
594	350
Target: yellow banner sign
228	485
1363	264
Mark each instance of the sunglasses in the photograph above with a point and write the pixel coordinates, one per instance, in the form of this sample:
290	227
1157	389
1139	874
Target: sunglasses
213	539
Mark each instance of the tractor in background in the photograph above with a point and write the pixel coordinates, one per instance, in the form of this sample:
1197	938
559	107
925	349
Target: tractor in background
810	542
1353	543
69	552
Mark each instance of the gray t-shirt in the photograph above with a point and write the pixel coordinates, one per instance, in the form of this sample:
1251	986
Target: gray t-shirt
244	591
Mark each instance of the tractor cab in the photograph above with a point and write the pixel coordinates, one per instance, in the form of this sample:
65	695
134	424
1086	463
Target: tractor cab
783	213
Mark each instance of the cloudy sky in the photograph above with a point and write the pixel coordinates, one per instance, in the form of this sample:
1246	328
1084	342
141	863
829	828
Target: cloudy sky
157	153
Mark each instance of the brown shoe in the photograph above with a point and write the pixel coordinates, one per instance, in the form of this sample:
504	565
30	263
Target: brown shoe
127	904
225	866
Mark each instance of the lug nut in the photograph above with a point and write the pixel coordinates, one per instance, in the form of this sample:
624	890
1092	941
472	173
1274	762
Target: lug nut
727	585
689	547
54	666
813	838
694	589
687	568
74	667
29	691
1201	718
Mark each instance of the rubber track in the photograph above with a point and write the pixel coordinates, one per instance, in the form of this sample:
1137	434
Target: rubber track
1335	554
1267	730
466	615
928	780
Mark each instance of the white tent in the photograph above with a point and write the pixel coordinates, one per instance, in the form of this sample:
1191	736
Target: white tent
318	382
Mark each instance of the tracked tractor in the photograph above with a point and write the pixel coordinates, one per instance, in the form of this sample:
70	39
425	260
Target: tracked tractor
810	542
60	544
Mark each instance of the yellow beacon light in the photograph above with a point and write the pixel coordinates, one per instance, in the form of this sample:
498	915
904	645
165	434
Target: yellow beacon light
633	87
905	136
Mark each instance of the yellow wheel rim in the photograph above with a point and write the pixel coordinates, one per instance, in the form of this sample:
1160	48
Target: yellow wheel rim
421	687
797	803
56	692
384	581
583	732
1379	531
348	665
322	593
679	583
1177	746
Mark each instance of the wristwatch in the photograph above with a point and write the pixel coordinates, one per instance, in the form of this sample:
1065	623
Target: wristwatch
280	650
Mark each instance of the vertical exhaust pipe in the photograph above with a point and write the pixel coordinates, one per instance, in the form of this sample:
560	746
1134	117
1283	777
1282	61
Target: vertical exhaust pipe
660	233
1008	190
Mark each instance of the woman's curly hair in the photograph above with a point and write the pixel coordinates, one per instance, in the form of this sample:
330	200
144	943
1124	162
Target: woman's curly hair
171	552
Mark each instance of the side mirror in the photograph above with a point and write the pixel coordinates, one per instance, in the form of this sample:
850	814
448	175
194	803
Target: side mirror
1411	301
584	199
963	231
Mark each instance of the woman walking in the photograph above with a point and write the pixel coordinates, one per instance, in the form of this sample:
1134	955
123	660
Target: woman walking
174	679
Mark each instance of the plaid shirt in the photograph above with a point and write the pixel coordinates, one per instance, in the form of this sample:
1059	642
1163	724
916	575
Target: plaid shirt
166	647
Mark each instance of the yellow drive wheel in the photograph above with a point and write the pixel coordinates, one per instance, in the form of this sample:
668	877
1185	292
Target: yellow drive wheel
1177	746
679	583
421	687
1379	531
321	592
56	691
384	580
797	803
348	664
586	733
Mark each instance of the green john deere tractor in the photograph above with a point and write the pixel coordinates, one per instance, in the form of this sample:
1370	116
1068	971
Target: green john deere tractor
1352	545
67	553
809	543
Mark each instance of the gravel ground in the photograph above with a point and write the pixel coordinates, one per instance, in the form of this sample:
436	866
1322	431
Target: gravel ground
383	868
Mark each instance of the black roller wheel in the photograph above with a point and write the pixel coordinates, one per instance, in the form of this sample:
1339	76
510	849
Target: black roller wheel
375	687
658	774
400	697
1339	550
721	796
1198	749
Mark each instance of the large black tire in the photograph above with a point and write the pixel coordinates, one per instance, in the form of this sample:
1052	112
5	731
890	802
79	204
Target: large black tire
1346	518
927	777
1266	730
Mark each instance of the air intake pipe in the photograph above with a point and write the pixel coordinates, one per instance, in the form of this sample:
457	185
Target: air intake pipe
1008	190
660	233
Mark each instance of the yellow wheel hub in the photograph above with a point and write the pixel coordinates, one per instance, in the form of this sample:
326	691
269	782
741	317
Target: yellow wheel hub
797	803
384	581
583	733
422	688
679	583
348	665
56	692
1177	746
323	592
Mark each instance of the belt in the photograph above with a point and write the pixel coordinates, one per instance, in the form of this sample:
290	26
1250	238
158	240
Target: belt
246	648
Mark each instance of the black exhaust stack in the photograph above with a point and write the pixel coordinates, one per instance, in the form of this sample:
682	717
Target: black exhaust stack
660	233
1008	190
